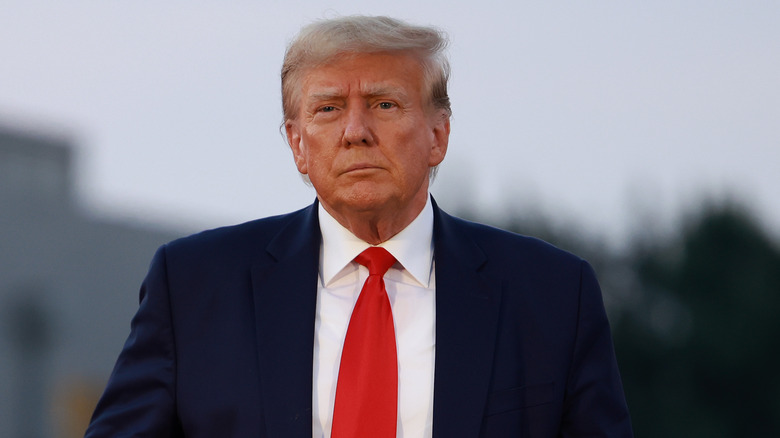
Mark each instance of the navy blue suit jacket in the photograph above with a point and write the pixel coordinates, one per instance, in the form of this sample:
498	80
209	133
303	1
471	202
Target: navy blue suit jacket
221	345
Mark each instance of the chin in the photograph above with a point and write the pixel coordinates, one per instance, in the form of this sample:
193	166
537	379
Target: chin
366	201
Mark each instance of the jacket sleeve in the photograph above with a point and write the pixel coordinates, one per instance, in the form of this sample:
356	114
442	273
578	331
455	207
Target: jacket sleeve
594	405
140	398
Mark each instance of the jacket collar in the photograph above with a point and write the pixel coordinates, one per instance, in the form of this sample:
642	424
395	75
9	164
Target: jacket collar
467	304
285	297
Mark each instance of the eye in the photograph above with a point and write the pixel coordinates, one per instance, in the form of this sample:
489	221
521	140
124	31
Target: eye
327	109
386	105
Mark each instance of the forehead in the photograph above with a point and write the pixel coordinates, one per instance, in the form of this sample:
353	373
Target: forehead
367	73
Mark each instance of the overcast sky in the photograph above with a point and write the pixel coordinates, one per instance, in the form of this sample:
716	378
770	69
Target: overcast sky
595	112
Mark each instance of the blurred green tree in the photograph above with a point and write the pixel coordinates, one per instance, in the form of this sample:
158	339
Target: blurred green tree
700	348
695	318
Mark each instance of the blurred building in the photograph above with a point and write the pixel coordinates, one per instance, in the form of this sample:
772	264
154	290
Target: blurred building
68	289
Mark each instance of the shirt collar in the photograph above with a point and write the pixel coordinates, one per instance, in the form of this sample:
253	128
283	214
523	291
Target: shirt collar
412	247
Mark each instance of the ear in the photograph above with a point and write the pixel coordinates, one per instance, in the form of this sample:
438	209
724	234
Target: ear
441	138
296	145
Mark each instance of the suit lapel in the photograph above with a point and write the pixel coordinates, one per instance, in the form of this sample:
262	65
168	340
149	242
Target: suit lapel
285	293
467	307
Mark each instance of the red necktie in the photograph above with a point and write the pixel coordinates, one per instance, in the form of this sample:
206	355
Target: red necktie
367	389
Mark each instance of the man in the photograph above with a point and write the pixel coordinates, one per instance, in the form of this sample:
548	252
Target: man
464	330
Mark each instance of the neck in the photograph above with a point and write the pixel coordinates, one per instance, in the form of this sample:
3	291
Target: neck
377	226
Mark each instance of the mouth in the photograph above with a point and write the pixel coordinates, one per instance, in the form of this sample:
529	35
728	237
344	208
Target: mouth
360	167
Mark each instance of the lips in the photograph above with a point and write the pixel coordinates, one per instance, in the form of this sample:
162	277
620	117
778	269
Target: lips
361	167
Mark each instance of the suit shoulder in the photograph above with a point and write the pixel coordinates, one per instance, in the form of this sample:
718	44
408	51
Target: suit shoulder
495	240
234	239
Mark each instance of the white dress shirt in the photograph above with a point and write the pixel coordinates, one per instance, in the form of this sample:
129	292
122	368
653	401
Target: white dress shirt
410	285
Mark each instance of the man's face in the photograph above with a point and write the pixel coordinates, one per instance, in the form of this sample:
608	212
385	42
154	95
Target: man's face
366	134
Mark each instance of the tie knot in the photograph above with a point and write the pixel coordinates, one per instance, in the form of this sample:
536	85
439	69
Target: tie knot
376	259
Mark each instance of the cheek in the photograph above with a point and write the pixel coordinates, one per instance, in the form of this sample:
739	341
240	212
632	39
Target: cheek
317	139
419	146
317	154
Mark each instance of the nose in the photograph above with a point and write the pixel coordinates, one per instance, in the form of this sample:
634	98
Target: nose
358	127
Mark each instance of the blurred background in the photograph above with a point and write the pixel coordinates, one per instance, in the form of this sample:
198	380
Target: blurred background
643	138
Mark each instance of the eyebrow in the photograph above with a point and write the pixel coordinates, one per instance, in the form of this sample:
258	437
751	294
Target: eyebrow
325	94
371	91
377	90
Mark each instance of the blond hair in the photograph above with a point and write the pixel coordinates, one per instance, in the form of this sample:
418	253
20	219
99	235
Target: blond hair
322	41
